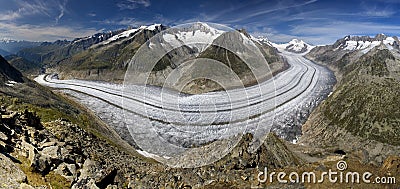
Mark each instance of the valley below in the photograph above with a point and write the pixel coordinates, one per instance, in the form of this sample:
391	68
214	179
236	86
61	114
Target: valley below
166	127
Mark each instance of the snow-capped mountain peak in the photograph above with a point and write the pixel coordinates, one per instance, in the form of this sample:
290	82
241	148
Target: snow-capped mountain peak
366	43
131	32
153	27
261	39
294	46
296	41
197	35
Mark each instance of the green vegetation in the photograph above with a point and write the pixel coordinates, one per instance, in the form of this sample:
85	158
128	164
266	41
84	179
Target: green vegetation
366	103
52	179
25	66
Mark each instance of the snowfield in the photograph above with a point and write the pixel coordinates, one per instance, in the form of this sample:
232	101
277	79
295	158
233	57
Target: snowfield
164	123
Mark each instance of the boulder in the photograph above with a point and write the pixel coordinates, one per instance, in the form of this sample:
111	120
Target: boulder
41	163
52	151
68	171
25	186
90	173
85	183
10	174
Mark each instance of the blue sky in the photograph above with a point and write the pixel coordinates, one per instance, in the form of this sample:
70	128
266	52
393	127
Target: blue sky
315	21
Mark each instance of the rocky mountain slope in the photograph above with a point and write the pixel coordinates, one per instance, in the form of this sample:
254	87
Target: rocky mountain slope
106	56
362	114
59	154
9	74
108	59
26	67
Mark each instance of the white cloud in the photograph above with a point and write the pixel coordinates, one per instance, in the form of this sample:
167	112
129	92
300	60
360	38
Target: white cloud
53	9
25	9
43	33
11	15
133	4
380	13
279	7
62	7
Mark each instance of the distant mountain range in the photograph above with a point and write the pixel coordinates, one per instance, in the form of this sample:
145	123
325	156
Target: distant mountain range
8	47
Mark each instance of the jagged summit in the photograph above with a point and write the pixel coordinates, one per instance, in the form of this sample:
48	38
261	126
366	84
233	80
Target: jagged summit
294	46
366	43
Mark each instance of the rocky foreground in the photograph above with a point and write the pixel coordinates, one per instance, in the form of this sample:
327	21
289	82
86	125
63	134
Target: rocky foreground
59	154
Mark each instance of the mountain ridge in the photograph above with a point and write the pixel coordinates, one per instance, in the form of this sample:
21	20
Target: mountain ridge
100	57
294	46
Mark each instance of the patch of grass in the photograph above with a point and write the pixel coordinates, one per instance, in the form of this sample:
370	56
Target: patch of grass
57	181
51	180
34	179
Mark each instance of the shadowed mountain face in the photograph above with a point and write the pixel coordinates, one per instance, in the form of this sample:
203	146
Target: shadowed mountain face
27	67
9	73
4	53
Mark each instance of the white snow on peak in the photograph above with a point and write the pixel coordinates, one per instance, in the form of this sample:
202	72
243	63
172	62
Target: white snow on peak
124	34
261	39
153	27
128	33
200	38
351	45
389	42
366	46
295	45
